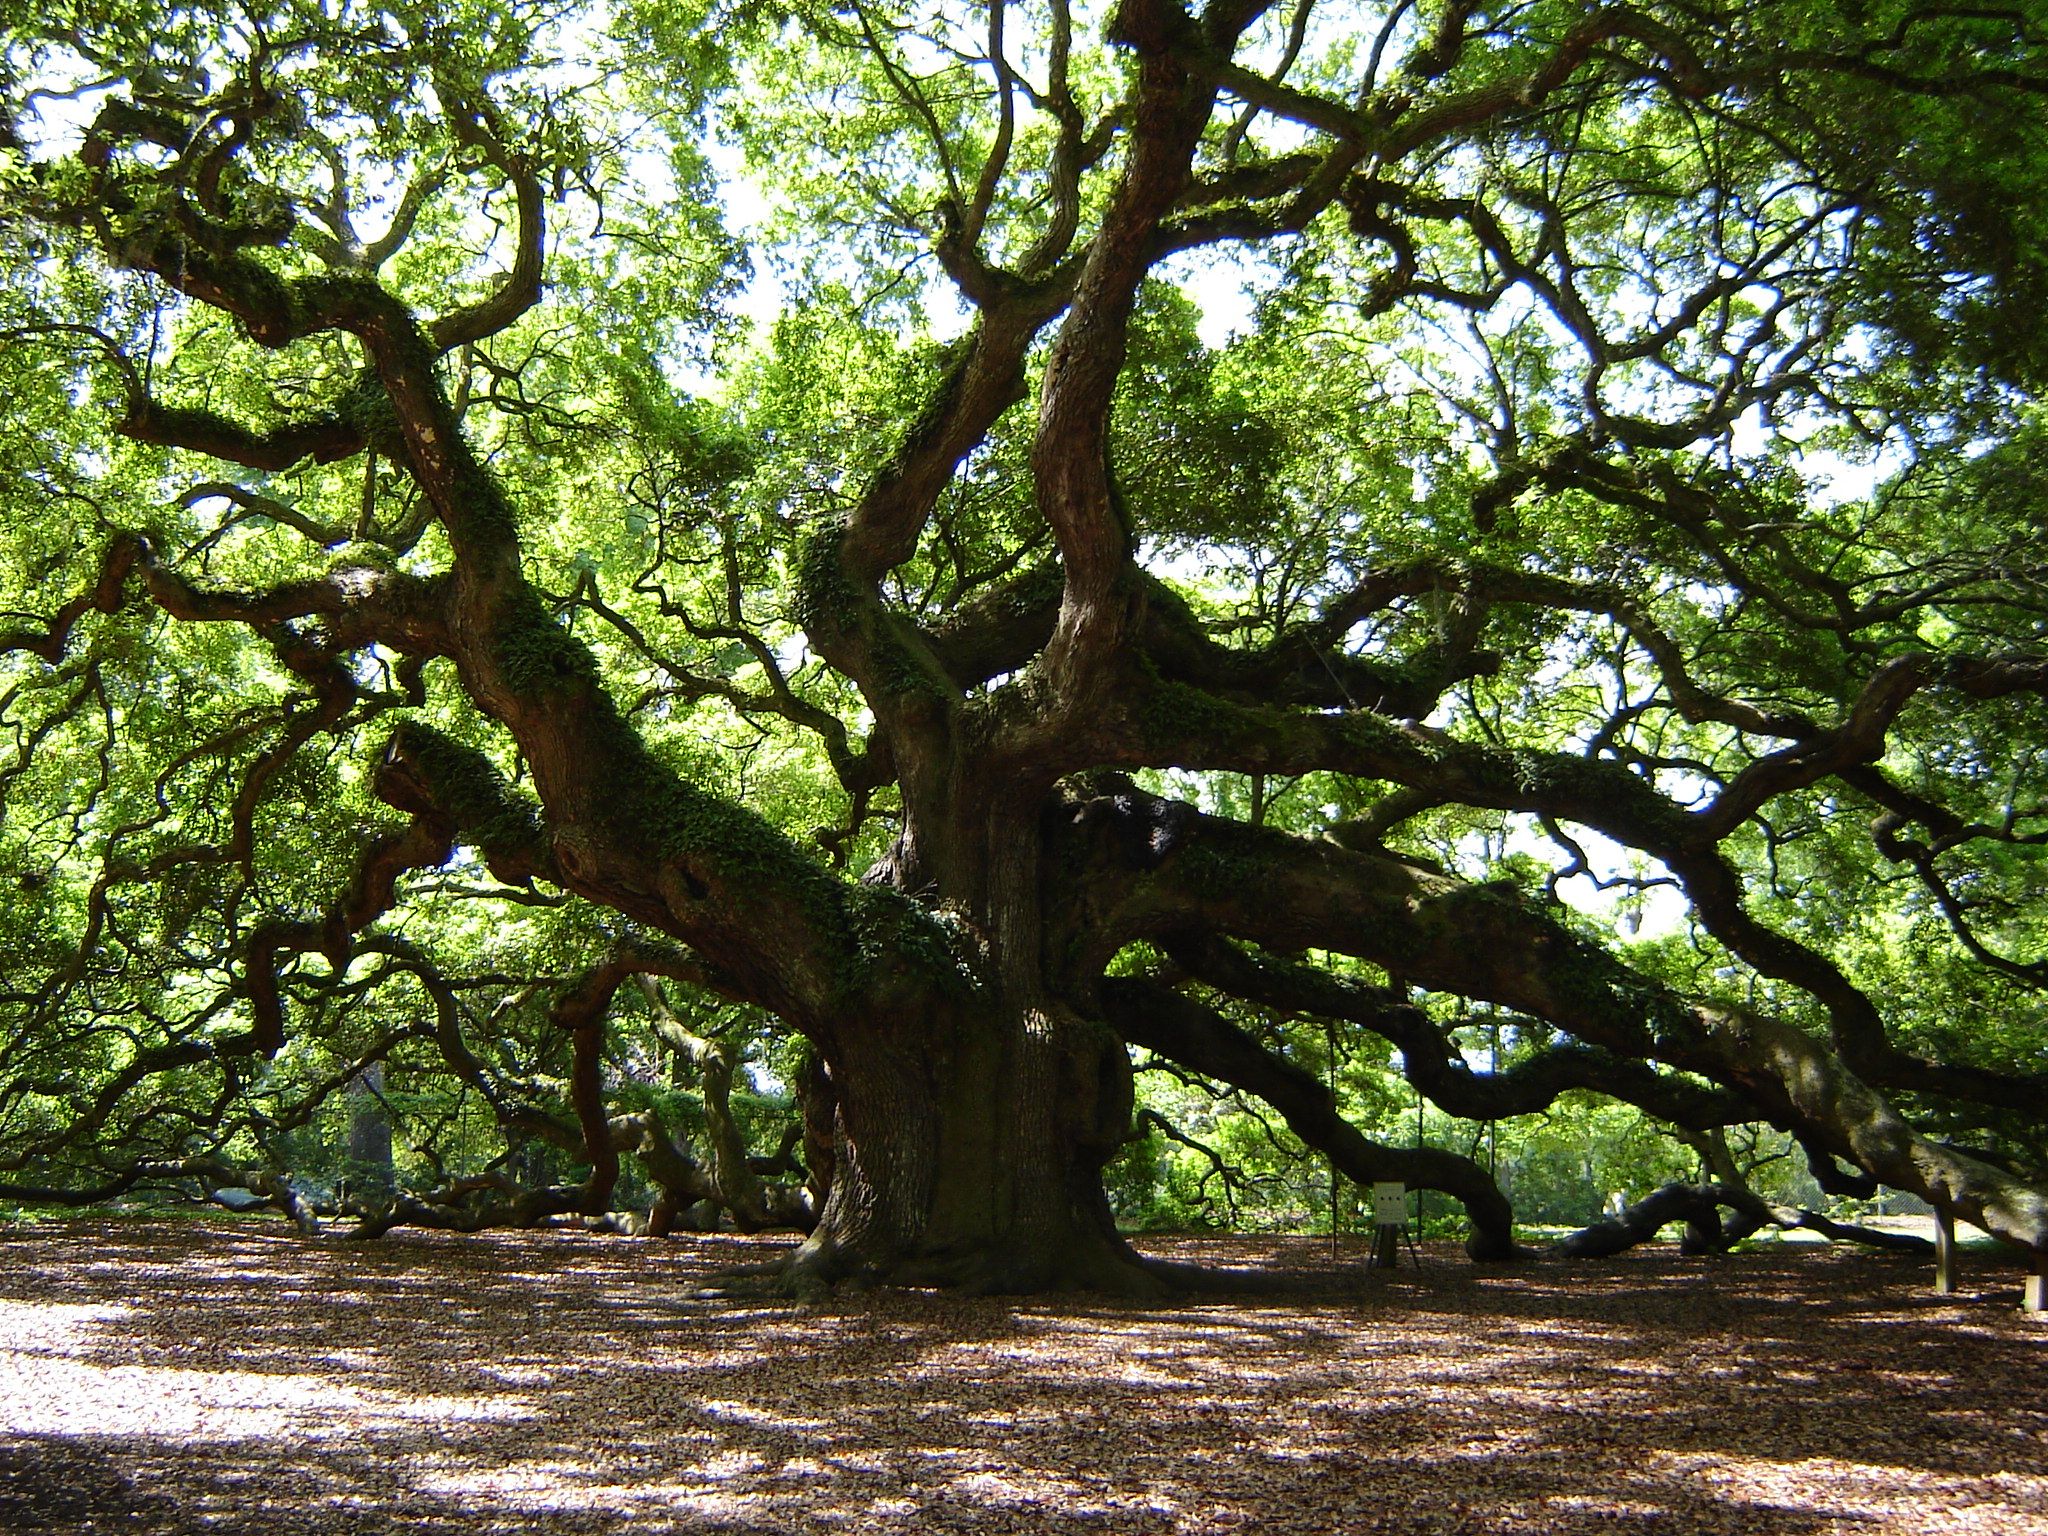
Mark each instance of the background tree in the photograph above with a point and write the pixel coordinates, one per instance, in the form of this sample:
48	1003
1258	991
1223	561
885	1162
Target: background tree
1622	475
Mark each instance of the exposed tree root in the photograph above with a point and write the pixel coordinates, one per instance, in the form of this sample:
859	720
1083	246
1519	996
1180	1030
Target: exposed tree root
1699	1206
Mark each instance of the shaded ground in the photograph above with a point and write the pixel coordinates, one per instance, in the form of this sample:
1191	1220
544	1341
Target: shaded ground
177	1378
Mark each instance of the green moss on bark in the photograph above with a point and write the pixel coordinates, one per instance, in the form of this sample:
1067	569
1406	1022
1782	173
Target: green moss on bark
863	928
824	592
1172	712
368	409
534	653
468	789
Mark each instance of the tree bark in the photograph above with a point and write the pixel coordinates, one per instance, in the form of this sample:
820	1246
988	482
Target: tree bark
967	1151
369	1132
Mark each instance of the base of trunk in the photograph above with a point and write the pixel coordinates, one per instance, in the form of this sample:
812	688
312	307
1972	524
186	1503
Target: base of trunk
992	1269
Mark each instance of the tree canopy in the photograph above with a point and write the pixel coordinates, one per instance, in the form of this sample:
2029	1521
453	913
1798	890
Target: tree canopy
569	569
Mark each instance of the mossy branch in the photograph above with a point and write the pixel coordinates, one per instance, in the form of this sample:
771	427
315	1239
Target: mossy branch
457	788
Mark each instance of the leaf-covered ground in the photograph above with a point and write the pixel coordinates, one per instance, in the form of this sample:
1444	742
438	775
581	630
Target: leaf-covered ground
183	1377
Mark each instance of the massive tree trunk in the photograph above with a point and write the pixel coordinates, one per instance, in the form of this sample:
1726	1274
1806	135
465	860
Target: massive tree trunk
968	1151
970	1131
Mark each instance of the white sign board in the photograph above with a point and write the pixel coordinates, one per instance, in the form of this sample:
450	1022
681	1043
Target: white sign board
1390	1205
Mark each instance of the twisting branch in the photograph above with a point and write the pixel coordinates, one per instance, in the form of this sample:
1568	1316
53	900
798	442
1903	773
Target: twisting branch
1199	1037
476	124
1070	452
1476	941
1434	1066
371	893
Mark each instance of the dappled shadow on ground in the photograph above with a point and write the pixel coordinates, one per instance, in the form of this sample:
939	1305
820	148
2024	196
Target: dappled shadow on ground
161	1378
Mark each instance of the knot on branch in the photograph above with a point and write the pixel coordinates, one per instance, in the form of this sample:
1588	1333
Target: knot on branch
1147	829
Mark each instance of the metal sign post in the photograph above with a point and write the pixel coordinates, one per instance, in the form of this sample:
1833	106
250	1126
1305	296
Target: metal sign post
1389	1222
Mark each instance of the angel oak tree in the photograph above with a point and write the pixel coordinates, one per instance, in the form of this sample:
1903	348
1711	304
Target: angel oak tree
440	616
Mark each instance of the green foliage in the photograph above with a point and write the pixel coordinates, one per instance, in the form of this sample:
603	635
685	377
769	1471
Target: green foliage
1659	393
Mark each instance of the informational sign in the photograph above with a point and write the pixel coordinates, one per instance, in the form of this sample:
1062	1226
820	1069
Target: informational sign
1390	1205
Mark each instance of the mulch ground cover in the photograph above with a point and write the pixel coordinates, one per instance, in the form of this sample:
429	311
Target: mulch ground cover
185	1377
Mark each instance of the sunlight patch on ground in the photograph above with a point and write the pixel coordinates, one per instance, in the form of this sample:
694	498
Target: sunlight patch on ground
728	1412
51	1327
52	1384
541	1488
1866	1491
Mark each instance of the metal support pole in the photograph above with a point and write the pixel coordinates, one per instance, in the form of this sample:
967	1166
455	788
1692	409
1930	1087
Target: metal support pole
1493	1071
1944	1251
1336	1244
1418	1147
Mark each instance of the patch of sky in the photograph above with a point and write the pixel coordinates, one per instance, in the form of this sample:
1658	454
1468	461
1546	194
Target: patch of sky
1223	282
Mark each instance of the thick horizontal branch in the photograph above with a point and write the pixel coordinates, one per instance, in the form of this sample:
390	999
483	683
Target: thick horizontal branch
1160	872
1174	723
358	605
1162	721
1003	629
1201	1039
323	439
1283	893
1437	1068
